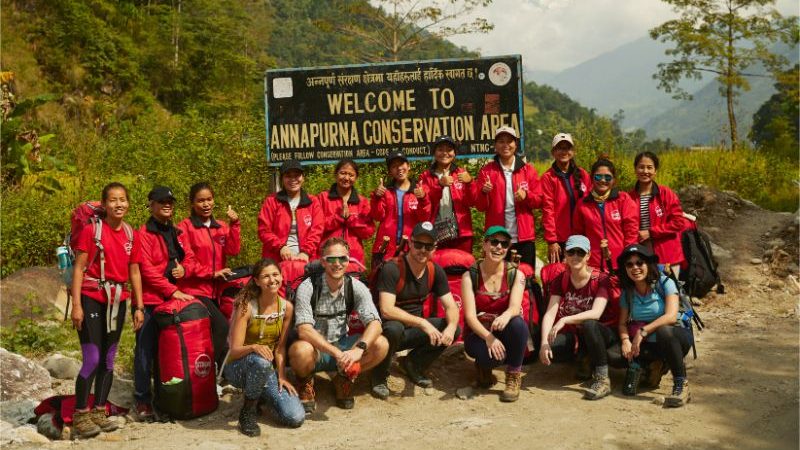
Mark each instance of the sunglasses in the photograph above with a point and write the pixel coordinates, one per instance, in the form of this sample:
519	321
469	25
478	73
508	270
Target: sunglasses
419	245
607	177
501	242
576	251
631	264
340	259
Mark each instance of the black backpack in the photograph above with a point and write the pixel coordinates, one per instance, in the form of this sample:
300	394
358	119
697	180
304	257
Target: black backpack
700	275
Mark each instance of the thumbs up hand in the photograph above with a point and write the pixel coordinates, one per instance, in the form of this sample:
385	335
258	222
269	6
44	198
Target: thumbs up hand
178	271
520	195
487	186
446	180
232	214
419	192
381	189
464	177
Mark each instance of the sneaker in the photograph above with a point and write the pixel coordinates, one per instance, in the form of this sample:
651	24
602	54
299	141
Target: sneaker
248	424
344	392
601	386
632	380
513	383
485	377
83	427
381	391
305	389
652	376
100	419
680	395
416	377
144	411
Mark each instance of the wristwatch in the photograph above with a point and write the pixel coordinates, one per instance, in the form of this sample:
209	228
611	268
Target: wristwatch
362	345
643	331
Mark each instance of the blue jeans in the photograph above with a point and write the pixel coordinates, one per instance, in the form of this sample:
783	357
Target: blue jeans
144	356
258	379
326	362
514	338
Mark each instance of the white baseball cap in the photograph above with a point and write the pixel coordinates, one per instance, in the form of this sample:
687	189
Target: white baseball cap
562	137
506	129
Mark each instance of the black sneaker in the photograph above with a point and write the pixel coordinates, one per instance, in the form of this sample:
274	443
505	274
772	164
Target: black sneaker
420	380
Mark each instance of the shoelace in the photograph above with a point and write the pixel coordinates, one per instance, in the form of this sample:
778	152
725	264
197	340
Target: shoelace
677	389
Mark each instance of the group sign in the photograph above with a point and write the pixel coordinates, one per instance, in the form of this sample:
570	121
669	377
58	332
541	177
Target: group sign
362	112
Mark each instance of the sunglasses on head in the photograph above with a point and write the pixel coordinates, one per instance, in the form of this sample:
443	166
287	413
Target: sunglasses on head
340	259
576	251
504	243
419	245
607	177
637	263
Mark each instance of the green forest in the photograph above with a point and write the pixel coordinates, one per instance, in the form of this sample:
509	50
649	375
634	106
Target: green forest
156	92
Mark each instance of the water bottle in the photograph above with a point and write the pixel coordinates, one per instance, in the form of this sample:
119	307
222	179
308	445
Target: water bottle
632	378
65	264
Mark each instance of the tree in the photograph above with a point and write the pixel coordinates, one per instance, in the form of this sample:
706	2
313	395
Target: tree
726	38
396	27
776	124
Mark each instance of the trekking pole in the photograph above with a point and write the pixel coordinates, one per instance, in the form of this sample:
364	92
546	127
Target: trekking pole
401	247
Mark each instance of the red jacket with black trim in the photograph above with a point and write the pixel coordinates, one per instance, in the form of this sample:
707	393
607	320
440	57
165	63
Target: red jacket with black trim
211	246
619	224
666	223
493	203
357	227
558	208
156	287
463	195
384	211
275	222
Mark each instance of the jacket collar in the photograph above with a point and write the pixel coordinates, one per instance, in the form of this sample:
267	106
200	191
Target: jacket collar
154	227
518	162
654	191
570	170
411	186
353	200
613	196
197	222
282	196
453	168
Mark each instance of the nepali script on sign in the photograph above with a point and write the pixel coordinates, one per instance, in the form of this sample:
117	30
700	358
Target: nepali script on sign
362	112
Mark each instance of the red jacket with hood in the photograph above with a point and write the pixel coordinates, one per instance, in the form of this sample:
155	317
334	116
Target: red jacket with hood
275	222
558	206
619	223
493	203
357	227
384	211
156	287
463	195
666	223
211	247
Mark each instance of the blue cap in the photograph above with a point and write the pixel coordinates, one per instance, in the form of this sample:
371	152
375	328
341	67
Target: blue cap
578	241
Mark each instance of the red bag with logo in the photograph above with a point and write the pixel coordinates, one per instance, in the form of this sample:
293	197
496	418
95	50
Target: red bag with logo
187	385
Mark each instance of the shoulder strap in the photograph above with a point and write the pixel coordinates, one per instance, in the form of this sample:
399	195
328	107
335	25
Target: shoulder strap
401	280
511	274
564	281
431	275
316	284
475	273
349	295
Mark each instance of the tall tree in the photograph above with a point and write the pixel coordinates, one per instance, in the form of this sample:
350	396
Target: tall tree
726	38
776	124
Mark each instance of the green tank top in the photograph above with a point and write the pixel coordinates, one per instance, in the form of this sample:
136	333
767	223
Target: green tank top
264	329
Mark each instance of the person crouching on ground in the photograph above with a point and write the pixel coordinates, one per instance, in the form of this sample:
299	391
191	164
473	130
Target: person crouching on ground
497	332
323	306
578	298
257	358
402	289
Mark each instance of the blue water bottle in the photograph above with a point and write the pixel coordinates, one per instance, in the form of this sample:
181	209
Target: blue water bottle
65	264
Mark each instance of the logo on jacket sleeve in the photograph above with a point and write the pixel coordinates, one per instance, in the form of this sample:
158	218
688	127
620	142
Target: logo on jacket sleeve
412	203
307	220
659	212
615	215
523	185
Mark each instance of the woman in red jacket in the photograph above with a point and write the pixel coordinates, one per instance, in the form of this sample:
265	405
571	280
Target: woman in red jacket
660	214
211	241
346	212
608	217
564	184
452	193
396	222
290	223
509	191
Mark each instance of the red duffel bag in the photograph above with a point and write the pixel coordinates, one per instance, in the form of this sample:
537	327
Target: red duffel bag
454	262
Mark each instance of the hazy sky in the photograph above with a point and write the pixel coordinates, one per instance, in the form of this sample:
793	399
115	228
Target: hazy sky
557	34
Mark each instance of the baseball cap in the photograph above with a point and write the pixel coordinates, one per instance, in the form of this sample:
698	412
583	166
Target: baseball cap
445	140
424	229
291	164
506	129
496	229
562	137
643	251
161	193
578	241
395	154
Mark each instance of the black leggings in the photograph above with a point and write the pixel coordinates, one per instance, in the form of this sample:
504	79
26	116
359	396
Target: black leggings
593	336
219	330
526	251
672	344
99	349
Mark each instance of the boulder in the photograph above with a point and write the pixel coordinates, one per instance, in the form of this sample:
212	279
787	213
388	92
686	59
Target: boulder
22	379
17	412
720	254
32	289
122	393
62	367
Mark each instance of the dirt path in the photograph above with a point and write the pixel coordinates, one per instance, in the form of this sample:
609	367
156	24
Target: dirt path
744	386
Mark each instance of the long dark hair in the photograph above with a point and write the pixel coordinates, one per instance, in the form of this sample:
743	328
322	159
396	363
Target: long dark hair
652	276
650	155
251	291
114	185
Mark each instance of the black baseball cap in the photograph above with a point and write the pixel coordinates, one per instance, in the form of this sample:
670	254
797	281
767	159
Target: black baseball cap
161	193
445	140
638	249
291	164
424	229
395	154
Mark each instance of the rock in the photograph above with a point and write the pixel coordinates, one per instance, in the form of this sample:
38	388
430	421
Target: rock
25	434
122	393
22	378
776	284
32	287
776	243
62	367
17	412
658	400
720	253
756	261
465	393
730	213
46	428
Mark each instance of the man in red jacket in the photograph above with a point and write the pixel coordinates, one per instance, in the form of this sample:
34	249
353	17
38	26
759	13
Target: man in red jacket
509	191
163	257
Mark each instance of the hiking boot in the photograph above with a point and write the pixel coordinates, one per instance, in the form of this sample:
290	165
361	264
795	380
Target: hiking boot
584	371
305	389
680	395
416	377
344	392
144	411
601	386
381	391
513	383
83	426
632	378
486	378
100	419
248	424
652	376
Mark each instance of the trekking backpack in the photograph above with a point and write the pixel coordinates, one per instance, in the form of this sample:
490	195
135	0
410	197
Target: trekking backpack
454	262
699	272
186	383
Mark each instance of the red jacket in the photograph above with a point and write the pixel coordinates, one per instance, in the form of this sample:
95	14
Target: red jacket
666	223
384	211
211	247
558	208
619	224
275	221
357	227
463	195
493	204
156	287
